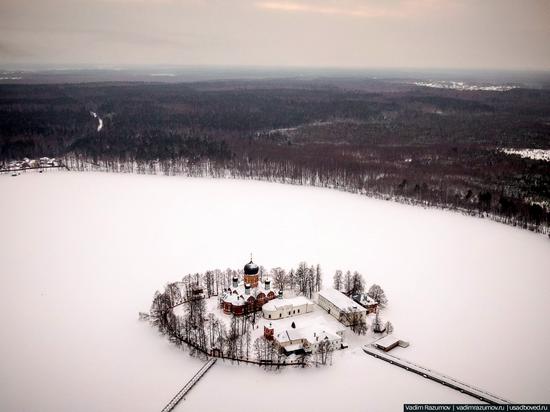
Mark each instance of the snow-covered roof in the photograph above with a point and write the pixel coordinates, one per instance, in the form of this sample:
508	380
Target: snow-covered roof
369	300
276	304
241	290
365	299
292	348
387	341
340	300
234	299
313	333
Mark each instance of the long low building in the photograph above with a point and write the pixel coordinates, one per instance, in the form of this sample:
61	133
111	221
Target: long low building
387	343
284	308
340	306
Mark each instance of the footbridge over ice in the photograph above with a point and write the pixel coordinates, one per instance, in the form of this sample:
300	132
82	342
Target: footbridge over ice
452	383
183	391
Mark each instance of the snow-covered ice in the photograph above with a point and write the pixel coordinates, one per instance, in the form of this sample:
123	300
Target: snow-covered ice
84	254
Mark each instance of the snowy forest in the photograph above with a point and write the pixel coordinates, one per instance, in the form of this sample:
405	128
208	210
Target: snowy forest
431	147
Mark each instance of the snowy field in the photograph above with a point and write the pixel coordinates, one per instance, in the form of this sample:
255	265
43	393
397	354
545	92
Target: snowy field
82	253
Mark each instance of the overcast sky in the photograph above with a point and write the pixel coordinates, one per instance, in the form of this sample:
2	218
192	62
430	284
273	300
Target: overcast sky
501	34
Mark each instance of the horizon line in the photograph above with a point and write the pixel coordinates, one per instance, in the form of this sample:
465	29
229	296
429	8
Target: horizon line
137	66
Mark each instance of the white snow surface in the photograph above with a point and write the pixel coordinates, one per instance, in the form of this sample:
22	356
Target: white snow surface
99	120
456	85
85	253
535	154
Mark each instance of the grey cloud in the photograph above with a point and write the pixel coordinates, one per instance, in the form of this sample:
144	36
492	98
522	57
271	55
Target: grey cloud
366	33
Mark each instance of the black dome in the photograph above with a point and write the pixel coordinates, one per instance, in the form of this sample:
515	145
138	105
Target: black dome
251	268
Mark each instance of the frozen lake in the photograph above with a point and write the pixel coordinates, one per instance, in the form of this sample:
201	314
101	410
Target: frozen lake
82	253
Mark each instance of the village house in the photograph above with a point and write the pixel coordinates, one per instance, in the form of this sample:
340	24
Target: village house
367	302
284	308
248	295
340	306
308	339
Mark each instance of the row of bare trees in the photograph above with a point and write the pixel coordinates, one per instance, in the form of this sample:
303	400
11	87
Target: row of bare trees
384	184
202	331
304	280
353	283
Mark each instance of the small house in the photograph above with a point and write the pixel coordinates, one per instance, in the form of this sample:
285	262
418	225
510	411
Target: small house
367	302
307	339
387	343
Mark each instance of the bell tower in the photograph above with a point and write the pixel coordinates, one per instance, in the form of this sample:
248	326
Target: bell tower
251	273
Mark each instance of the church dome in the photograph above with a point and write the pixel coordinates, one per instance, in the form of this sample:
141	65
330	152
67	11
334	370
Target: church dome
251	268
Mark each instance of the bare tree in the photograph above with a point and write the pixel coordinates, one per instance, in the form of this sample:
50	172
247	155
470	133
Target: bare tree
301	278
337	280
347	282
160	308
195	315
318	278
292	279
232	339
377	325
174	293
209	282
265	350
377	293
356	321
310	281
323	355
280	278
357	284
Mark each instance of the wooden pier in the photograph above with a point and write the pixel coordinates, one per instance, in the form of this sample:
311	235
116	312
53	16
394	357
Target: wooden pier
179	396
452	383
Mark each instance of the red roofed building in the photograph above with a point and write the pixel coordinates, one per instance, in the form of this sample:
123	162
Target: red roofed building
248	295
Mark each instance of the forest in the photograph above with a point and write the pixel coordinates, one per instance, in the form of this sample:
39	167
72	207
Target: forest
383	138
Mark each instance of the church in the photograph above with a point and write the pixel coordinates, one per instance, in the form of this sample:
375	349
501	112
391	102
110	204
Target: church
248	295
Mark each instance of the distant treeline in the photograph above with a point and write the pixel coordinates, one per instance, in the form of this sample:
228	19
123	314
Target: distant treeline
432	147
